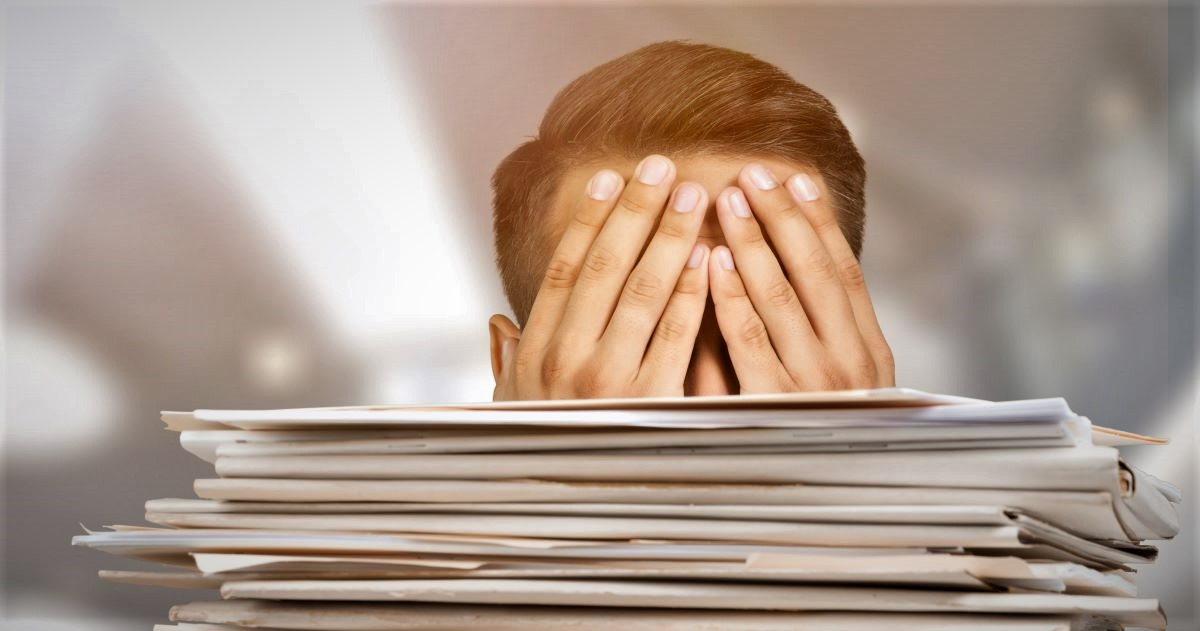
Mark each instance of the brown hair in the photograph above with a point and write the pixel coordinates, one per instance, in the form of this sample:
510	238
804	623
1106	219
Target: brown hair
671	98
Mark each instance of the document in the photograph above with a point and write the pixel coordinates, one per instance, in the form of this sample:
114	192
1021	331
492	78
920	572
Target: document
851	510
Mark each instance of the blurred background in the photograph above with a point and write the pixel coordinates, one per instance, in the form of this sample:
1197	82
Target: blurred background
284	204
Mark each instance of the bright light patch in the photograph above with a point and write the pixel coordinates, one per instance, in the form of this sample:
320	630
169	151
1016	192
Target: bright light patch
329	138
59	402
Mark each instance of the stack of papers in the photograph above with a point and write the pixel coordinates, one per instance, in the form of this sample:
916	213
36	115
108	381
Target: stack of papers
867	509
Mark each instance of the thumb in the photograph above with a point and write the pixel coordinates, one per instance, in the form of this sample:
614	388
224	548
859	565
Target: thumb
505	389
508	350
505	336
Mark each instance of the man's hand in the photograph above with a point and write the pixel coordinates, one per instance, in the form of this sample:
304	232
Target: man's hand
808	325
610	320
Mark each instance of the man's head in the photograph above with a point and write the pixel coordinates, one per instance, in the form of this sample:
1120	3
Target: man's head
709	109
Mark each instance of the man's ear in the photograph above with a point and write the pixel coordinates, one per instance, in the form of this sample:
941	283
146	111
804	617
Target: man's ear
505	335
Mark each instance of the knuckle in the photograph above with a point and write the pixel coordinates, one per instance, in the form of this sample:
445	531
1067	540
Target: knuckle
561	273
643	287
851	273
730	292
824	221
863	369
819	266
601	261
635	206
753	332
554	365
591	381
836	382
885	357
690	284
829	377
671	329
754	237
583	382
673	229
522	363
780	293
588	221
790	212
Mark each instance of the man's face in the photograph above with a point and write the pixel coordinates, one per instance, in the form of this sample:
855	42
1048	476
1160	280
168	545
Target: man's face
710	371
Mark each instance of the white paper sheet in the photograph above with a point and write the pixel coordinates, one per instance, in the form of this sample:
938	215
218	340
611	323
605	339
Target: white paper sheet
1088	513
1142	612
690	414
974	436
435	617
870	514
1059	469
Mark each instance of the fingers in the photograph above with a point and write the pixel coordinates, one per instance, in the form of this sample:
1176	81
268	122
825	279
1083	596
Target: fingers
769	290
591	210
653	280
808	263
615	250
822	217
666	362
754	360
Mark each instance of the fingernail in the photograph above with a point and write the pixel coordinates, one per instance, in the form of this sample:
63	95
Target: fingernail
697	256
725	259
602	186
652	170
803	188
762	177
686	199
738	204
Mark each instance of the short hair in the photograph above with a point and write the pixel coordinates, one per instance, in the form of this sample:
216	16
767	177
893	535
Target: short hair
673	98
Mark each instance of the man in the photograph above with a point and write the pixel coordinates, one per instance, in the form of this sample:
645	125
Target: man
687	221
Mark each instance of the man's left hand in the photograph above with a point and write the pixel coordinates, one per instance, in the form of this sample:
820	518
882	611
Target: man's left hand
796	317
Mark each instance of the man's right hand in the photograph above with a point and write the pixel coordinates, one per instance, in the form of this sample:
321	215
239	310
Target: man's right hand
611	320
